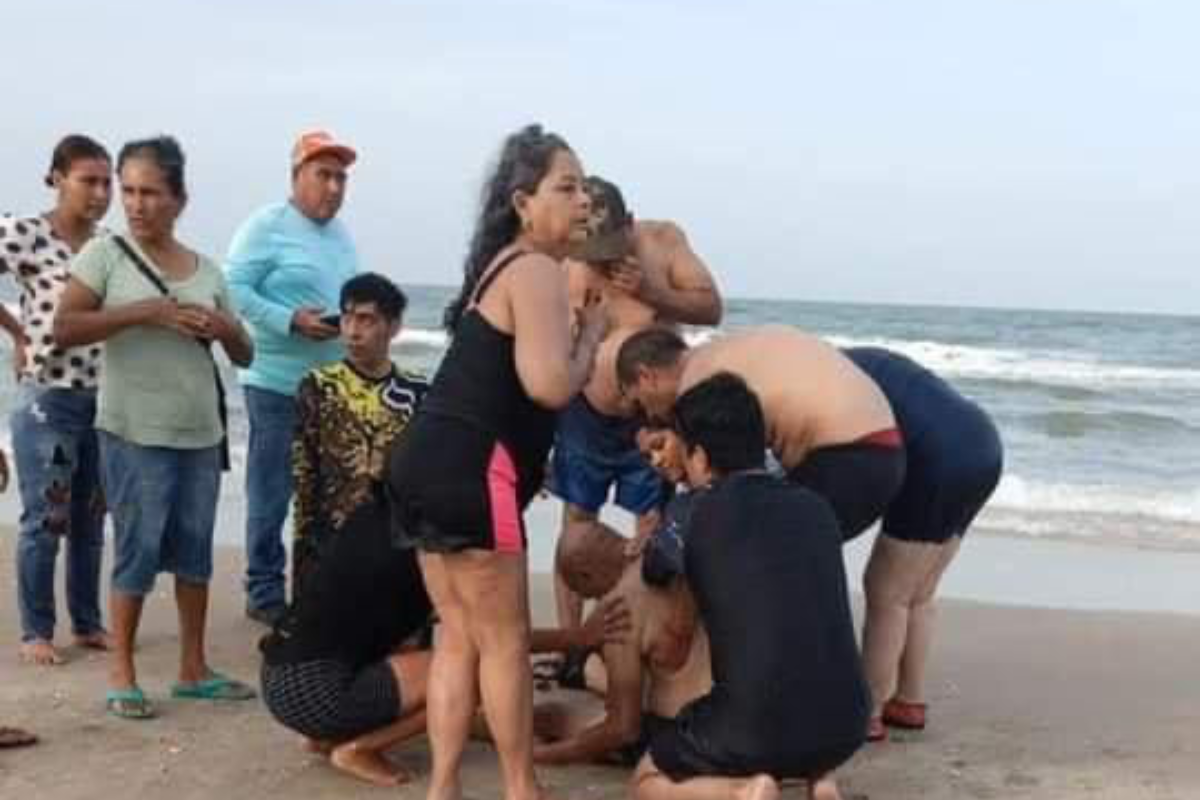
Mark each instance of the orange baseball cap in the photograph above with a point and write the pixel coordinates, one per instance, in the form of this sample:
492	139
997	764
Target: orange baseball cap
319	143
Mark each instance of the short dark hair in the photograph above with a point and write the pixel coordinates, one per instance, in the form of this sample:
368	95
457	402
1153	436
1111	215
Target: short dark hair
71	148
722	415
655	347
371	287
166	154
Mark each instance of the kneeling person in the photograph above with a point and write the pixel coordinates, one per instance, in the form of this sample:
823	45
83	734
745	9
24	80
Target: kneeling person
789	699
333	670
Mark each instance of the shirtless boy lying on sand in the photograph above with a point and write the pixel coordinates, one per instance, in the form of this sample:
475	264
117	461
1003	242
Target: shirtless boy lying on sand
643	684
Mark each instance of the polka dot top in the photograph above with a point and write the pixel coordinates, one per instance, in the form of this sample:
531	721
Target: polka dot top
38	260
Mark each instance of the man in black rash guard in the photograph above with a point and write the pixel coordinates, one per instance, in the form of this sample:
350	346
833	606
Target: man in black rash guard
334	669
789	699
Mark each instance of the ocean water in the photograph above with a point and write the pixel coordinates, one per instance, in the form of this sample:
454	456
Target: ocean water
1100	413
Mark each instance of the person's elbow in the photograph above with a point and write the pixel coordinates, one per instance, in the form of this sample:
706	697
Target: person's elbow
711	311
65	331
243	354
243	360
550	388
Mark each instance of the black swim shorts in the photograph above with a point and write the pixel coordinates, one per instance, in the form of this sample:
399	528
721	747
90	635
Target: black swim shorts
858	479
690	747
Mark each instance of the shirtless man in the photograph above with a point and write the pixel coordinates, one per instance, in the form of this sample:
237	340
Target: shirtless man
641	692
827	423
648	274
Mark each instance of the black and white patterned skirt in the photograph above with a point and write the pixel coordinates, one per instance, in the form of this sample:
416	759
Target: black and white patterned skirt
328	701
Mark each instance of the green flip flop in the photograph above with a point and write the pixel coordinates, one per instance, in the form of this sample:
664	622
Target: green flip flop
215	687
128	703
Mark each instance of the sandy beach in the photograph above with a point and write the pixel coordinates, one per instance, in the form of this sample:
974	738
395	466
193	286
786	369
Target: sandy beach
1026	703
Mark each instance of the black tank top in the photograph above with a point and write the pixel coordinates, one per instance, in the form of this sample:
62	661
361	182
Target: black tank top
478	384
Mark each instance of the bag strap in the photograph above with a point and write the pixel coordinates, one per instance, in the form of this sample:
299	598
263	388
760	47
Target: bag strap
222	409
142	267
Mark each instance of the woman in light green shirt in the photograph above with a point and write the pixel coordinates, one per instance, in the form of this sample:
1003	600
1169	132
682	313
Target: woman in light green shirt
159	427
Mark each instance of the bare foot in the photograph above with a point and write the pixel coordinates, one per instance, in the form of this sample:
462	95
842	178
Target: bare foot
824	789
100	640
760	787
368	765
41	653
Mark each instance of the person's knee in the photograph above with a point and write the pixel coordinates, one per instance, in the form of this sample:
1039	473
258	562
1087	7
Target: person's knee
411	670
925	604
880	589
47	488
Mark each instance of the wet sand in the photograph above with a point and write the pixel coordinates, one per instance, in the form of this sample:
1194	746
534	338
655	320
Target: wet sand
1025	703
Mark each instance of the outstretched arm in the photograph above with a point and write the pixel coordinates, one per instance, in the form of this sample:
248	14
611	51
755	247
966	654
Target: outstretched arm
623	719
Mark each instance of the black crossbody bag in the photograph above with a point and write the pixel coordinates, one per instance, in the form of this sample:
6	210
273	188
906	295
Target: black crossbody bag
222	409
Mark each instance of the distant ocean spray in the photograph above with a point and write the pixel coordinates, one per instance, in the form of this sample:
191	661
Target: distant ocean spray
1100	413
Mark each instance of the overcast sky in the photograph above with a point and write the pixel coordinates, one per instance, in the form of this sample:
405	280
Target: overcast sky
1033	153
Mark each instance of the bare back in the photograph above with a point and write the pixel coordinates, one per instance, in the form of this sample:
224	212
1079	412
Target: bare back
666	692
812	395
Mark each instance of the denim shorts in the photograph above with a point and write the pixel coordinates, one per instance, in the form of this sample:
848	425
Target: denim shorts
163	503
593	453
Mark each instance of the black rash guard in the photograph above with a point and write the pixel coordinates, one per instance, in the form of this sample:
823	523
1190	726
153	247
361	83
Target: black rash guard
764	561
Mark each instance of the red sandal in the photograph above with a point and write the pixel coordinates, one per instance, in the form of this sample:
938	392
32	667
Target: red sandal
902	714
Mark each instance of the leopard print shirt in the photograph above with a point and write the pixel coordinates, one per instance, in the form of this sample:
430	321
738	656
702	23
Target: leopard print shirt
345	424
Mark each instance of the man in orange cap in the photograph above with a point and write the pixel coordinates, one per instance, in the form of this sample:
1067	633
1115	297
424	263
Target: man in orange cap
286	267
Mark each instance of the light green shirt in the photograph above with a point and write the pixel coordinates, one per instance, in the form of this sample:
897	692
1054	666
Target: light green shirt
156	386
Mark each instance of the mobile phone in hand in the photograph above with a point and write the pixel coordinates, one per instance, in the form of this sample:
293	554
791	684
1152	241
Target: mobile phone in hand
332	320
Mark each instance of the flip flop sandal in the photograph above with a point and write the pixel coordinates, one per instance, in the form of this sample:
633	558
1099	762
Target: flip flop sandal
15	737
128	703
215	687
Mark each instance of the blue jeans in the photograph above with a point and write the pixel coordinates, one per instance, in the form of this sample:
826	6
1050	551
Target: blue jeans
163	502
54	441
268	494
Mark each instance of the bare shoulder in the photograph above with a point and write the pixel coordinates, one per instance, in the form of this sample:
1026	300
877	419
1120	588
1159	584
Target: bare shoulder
533	265
661	230
536	274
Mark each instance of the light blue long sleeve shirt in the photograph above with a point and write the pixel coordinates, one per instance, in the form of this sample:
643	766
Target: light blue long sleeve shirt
280	261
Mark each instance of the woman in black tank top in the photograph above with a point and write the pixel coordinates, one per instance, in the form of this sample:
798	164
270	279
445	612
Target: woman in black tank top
472	458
